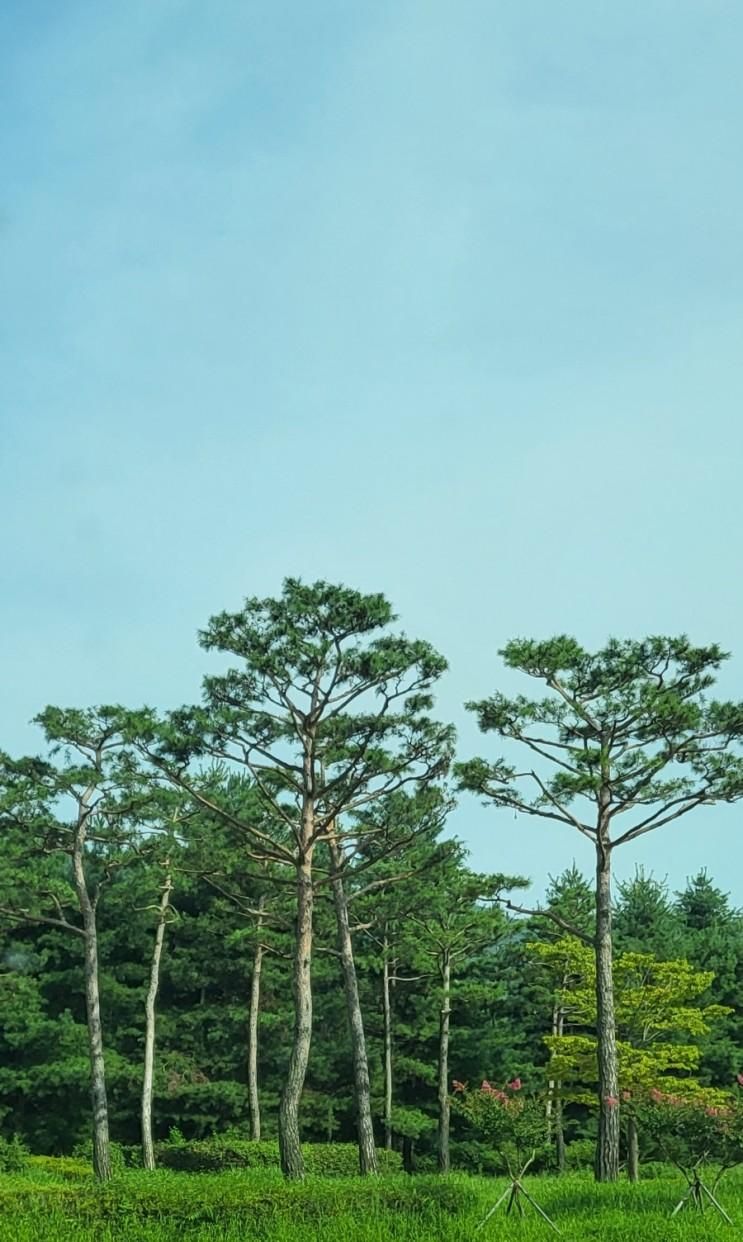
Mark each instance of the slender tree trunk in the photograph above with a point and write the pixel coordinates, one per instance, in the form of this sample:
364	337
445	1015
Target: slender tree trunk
633	1150
101	1141
607	1153
444	1106
555	1126
148	1147
549	1103
559	1133
362	1086
387	1008
253	1015
290	1149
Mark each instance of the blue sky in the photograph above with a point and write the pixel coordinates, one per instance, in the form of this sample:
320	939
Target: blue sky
439	299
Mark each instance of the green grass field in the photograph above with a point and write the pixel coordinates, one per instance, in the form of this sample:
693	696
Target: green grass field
62	1204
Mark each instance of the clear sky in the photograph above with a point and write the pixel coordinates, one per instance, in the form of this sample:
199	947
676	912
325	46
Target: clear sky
431	297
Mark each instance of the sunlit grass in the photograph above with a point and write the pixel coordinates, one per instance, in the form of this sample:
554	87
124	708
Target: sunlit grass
38	1206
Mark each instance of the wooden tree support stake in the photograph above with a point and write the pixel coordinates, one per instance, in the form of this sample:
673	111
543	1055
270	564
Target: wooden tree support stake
696	1191
514	1192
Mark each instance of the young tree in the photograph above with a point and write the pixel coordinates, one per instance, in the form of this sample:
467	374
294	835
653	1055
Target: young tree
644	919
569	896
377	876
163	915
327	713
712	939
256	891
458	922
97	783
657	1005
627	733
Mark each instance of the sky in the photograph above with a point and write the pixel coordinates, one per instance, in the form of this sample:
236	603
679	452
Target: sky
440	299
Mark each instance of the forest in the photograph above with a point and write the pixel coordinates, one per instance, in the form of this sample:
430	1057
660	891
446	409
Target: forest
244	924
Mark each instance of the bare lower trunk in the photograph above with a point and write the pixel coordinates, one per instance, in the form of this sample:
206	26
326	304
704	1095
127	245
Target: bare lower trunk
607	1152
443	1084
387	1050
148	1147
555	1125
101	1142
253	1015
292	1164
362	1087
633	1150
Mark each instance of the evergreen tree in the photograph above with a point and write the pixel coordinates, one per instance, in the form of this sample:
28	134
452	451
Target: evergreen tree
625	743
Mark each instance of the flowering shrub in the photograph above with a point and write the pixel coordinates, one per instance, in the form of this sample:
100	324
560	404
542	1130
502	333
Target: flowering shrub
513	1123
703	1127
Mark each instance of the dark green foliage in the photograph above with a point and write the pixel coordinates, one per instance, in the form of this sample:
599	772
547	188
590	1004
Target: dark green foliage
645	920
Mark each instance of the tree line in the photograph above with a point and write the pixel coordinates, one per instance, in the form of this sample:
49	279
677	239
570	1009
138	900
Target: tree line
237	860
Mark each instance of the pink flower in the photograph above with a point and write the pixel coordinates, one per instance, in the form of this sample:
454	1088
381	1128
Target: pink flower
739	1079
514	1084
626	1095
458	1086
611	1100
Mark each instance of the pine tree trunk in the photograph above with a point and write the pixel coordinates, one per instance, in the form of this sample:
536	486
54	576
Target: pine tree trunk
443	1084
362	1086
387	1049
633	1150
253	1015
292	1164
607	1153
101	1141
148	1147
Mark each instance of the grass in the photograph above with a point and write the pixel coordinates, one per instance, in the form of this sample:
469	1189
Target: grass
42	1205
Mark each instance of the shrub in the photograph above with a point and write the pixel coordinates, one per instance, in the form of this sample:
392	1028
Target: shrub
123	1156
695	1129
217	1154
511	1123
13	1155
67	1167
580	1154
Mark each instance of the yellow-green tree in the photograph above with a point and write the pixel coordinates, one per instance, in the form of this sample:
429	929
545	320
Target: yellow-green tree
658	1022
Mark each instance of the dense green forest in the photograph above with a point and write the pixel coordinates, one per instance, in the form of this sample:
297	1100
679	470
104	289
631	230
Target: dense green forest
250	916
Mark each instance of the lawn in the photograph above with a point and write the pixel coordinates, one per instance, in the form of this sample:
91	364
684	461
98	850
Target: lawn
51	1204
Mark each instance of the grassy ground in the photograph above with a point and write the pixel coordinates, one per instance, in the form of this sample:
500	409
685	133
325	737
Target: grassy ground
65	1206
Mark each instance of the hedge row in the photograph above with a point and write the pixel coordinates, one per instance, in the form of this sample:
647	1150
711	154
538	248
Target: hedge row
217	1154
231	1197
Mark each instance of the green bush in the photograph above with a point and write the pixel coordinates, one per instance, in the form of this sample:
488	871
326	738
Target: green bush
259	1199
217	1154
13	1155
123	1156
67	1167
580	1154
